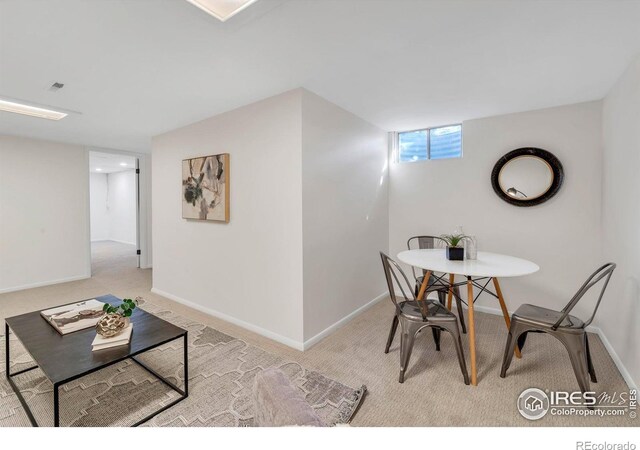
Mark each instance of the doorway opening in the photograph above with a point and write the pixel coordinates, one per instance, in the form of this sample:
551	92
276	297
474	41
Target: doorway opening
115	211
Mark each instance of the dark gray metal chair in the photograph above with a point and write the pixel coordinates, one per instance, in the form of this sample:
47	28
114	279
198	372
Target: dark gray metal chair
429	242
413	316
566	328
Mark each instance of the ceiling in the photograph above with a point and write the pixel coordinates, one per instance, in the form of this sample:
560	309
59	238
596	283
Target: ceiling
109	163
135	69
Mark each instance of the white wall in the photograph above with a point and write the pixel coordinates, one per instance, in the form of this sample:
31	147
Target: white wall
145	218
44	213
563	235
620	312
98	191
113	206
345	212
248	271
122	206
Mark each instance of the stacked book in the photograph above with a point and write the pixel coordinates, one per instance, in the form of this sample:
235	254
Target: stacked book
74	317
101	343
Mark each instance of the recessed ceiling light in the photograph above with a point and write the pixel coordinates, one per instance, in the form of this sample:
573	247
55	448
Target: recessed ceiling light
222	9
28	110
98	169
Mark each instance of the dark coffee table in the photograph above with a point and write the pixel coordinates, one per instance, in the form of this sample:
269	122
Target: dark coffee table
65	358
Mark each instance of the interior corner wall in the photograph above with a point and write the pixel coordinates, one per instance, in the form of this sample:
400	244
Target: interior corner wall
113	206
122	206
563	235
247	271
619	314
345	213
44	213
98	192
145	218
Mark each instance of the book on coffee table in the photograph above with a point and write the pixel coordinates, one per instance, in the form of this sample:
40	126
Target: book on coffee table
101	343
76	316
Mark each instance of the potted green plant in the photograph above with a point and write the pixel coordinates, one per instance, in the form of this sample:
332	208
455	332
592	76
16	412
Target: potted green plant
116	318
455	250
125	309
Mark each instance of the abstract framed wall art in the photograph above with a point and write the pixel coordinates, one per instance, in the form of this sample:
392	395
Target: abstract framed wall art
205	188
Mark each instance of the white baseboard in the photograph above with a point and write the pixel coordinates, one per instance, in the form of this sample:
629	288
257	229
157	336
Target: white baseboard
318	337
270	334
122	242
43	283
486	309
113	240
616	359
592	329
241	323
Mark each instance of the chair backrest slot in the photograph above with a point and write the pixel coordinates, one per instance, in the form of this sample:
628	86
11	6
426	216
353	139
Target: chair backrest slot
603	272
391	271
424	242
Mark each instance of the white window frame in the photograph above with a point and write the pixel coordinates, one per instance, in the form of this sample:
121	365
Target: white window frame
395	142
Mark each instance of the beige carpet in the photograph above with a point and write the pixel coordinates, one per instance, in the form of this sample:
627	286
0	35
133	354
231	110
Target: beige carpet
433	393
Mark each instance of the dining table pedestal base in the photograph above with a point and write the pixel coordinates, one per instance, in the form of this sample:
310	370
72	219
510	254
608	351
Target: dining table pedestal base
471	298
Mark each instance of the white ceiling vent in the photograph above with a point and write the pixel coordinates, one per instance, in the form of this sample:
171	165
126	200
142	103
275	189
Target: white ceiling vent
56	86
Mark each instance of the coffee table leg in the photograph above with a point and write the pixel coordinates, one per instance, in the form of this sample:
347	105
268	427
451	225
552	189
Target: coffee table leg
9	375
186	366
184	393
472	334
6	350
56	406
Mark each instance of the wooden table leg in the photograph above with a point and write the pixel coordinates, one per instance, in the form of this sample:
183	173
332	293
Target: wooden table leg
423	286
472	334
450	295
505	312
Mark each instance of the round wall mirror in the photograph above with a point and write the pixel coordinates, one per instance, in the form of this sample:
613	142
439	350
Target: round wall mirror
527	176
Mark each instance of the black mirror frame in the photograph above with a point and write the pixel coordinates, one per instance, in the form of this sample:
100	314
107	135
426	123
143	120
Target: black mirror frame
554	163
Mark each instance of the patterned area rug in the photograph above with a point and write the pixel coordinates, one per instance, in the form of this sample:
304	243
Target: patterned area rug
221	373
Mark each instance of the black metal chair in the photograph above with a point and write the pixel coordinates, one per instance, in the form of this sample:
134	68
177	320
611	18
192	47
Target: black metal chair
413	316
428	242
568	329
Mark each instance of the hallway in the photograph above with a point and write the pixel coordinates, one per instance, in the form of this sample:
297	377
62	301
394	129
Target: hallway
112	257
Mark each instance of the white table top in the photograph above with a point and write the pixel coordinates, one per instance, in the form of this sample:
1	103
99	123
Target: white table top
487	264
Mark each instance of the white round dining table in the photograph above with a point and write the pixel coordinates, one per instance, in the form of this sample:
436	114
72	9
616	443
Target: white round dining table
488	266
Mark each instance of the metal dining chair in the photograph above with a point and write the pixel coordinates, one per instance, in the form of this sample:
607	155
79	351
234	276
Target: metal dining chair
414	316
429	242
568	329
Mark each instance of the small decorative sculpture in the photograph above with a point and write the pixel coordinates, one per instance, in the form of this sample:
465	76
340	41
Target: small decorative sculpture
111	325
116	318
